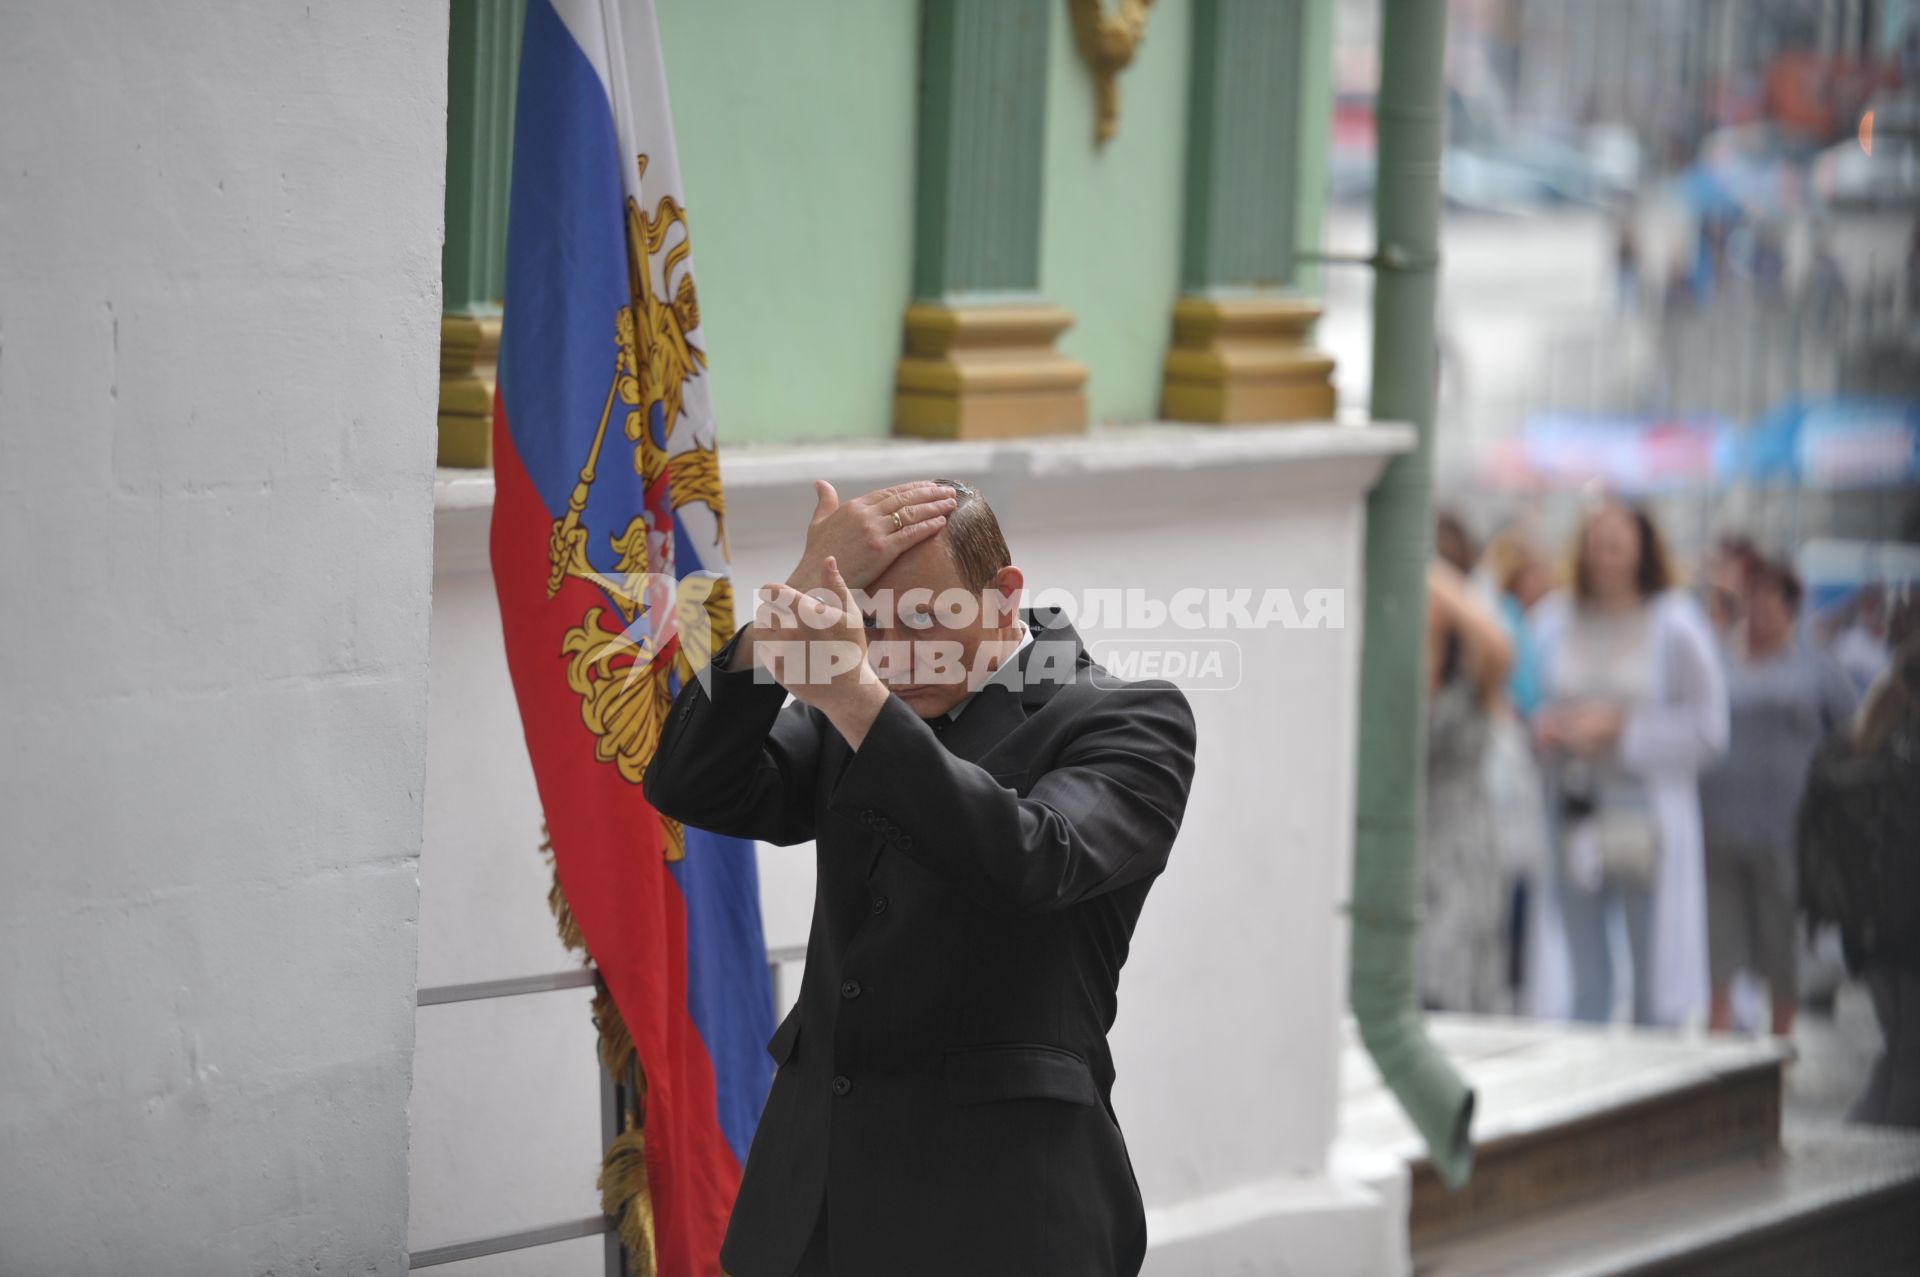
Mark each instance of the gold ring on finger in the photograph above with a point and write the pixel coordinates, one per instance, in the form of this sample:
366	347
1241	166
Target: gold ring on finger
898	521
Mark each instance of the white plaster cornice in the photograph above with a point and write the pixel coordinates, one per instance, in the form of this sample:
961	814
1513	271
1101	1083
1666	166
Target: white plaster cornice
1108	474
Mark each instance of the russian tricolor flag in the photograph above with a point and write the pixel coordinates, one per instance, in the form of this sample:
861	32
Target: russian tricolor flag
607	483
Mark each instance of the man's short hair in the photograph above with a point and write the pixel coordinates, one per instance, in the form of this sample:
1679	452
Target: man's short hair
973	536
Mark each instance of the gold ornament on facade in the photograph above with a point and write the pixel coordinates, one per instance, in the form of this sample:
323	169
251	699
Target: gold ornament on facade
1108	39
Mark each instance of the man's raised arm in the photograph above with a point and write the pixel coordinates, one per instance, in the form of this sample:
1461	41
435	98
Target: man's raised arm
729	758
1103	817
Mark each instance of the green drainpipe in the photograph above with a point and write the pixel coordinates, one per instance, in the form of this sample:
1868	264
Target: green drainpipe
1411	114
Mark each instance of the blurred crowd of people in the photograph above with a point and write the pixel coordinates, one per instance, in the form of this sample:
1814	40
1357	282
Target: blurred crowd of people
1646	795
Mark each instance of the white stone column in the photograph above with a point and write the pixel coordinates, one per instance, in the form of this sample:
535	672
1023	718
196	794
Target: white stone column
219	349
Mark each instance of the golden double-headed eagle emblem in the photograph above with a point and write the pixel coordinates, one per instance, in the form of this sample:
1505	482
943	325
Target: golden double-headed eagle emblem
622	672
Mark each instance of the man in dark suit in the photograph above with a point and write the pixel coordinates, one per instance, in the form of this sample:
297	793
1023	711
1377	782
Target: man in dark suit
989	809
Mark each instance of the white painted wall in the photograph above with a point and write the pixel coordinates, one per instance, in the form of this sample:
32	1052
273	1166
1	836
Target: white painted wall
219	299
1228	1039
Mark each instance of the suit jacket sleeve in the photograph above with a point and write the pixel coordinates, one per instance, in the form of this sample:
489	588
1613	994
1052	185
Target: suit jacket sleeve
732	761
1103	817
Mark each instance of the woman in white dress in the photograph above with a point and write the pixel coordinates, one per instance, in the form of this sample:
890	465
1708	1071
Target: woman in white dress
1634	709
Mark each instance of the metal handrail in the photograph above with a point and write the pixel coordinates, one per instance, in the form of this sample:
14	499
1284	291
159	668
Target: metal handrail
592	1225
581	978
442	994
526	1238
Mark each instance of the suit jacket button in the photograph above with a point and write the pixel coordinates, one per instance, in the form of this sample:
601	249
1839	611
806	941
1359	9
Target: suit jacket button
866	816
879	904
850	989
904	842
842	1084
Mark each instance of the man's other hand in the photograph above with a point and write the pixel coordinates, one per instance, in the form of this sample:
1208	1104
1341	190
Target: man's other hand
866	534
815	646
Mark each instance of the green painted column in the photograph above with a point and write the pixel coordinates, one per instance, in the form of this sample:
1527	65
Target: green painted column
483	71
983	119
1240	169
483	68
1239	351
979	358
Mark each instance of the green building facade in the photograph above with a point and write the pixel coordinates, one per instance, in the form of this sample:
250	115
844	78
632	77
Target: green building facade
814	138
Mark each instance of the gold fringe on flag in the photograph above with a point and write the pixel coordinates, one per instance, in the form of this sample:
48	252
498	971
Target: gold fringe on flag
557	902
625	1197
616	1044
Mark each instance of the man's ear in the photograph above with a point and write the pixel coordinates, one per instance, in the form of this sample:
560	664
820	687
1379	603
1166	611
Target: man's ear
1003	595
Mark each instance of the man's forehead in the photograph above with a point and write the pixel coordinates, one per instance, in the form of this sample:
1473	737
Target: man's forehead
926	566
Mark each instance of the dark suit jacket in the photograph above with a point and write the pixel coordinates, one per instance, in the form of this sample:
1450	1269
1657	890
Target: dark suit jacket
944	1082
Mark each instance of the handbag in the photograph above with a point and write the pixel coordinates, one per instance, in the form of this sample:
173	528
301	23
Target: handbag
1612	836
1629	836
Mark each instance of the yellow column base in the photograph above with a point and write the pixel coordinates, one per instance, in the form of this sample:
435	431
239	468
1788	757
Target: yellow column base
469	347
1245	359
987	372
